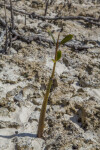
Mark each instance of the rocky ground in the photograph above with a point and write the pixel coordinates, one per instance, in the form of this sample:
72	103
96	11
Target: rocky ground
73	111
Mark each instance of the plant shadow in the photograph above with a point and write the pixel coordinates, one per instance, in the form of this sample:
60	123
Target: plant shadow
74	119
19	135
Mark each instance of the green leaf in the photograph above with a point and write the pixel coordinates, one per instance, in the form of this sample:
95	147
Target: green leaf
59	54
66	39
52	37
53	60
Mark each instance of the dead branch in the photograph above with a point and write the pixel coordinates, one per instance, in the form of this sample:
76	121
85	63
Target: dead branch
6	25
25	20
12	15
46	7
11	26
40	39
36	16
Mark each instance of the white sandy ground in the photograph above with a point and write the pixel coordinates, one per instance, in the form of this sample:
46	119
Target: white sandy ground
27	132
21	116
94	92
60	68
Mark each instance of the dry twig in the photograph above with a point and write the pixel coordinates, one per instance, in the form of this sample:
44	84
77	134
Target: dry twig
36	16
87	19
6	25
11	25
12	15
40	39
46	7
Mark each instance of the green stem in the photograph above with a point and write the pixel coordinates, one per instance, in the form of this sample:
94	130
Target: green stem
43	110
44	105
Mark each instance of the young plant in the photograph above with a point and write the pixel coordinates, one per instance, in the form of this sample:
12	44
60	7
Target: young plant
57	56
